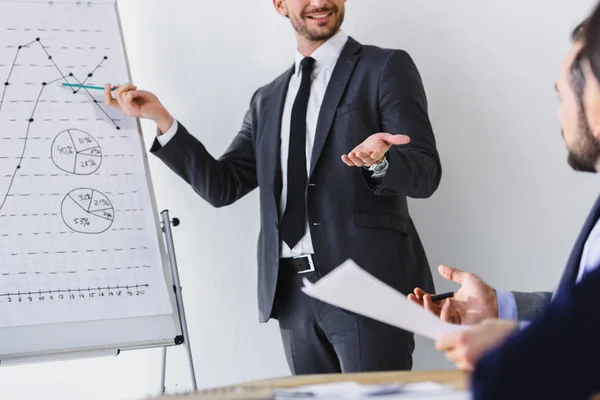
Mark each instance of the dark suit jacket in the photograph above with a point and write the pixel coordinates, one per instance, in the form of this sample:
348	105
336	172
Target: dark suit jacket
558	355
350	215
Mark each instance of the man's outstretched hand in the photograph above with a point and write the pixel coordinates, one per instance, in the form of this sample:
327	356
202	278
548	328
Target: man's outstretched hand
474	302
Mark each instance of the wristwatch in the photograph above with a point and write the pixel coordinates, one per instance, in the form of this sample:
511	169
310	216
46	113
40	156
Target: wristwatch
379	167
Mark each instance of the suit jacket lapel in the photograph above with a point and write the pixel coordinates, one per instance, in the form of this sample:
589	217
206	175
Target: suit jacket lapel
335	89
274	110
572	269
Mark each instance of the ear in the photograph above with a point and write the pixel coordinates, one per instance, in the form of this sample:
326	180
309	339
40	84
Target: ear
280	7
591	99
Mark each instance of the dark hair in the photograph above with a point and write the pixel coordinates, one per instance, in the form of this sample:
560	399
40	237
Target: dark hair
577	77
592	41
576	69
580	32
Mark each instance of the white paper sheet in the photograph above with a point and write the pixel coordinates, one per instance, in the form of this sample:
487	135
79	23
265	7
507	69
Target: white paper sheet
352	288
353	390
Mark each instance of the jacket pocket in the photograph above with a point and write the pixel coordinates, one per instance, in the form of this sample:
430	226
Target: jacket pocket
380	221
346	108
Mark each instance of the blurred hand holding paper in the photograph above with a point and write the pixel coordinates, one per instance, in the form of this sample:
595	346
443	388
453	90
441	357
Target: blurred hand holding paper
353	289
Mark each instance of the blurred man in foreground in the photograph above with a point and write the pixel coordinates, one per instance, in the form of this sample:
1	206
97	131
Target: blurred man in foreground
557	355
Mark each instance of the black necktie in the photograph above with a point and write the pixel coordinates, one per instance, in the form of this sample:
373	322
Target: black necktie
293	223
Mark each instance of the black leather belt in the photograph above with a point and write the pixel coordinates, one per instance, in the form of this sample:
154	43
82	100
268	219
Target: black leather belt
302	265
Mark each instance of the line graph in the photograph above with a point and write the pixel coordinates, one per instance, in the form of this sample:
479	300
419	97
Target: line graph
91	74
77	218
64	77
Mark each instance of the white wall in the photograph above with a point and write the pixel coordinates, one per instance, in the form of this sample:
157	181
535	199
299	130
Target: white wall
508	208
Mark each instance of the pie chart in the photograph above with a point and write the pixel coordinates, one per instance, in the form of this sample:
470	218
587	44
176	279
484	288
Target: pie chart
76	152
87	211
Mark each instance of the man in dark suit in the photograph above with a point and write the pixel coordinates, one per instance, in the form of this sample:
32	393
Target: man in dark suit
557	355
336	144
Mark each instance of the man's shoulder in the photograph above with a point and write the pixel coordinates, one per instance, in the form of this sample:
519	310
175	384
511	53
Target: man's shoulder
381	54
397	62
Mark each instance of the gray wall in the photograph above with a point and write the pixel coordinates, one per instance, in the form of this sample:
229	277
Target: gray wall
509	207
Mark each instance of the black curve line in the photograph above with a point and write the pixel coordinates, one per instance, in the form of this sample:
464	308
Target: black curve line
6	82
95	102
12	180
29	126
91	74
59	291
52	59
44	84
78	81
55	80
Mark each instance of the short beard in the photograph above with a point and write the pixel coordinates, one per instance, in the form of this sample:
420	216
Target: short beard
585	156
306	33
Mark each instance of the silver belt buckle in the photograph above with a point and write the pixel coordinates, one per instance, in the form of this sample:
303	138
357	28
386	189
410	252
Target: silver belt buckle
311	264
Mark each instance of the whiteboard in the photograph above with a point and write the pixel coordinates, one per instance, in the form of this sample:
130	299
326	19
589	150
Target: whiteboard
82	260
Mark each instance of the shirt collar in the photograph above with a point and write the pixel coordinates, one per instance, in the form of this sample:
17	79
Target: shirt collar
327	54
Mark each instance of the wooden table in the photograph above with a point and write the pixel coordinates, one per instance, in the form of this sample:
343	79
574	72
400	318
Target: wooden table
263	389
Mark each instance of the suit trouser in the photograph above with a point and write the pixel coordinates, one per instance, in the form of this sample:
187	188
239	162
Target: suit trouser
319	338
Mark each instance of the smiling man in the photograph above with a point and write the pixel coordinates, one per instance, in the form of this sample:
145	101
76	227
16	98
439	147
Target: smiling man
336	144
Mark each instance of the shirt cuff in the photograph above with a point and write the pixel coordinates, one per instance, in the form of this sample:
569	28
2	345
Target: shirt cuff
507	305
379	176
524	324
168	135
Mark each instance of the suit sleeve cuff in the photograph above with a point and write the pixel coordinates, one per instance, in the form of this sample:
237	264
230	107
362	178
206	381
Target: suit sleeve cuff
507	306
168	135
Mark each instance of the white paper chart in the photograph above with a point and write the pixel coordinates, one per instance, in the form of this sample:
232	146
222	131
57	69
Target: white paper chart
78	234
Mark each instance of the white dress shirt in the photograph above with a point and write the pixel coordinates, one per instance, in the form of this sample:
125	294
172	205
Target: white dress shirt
326	57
